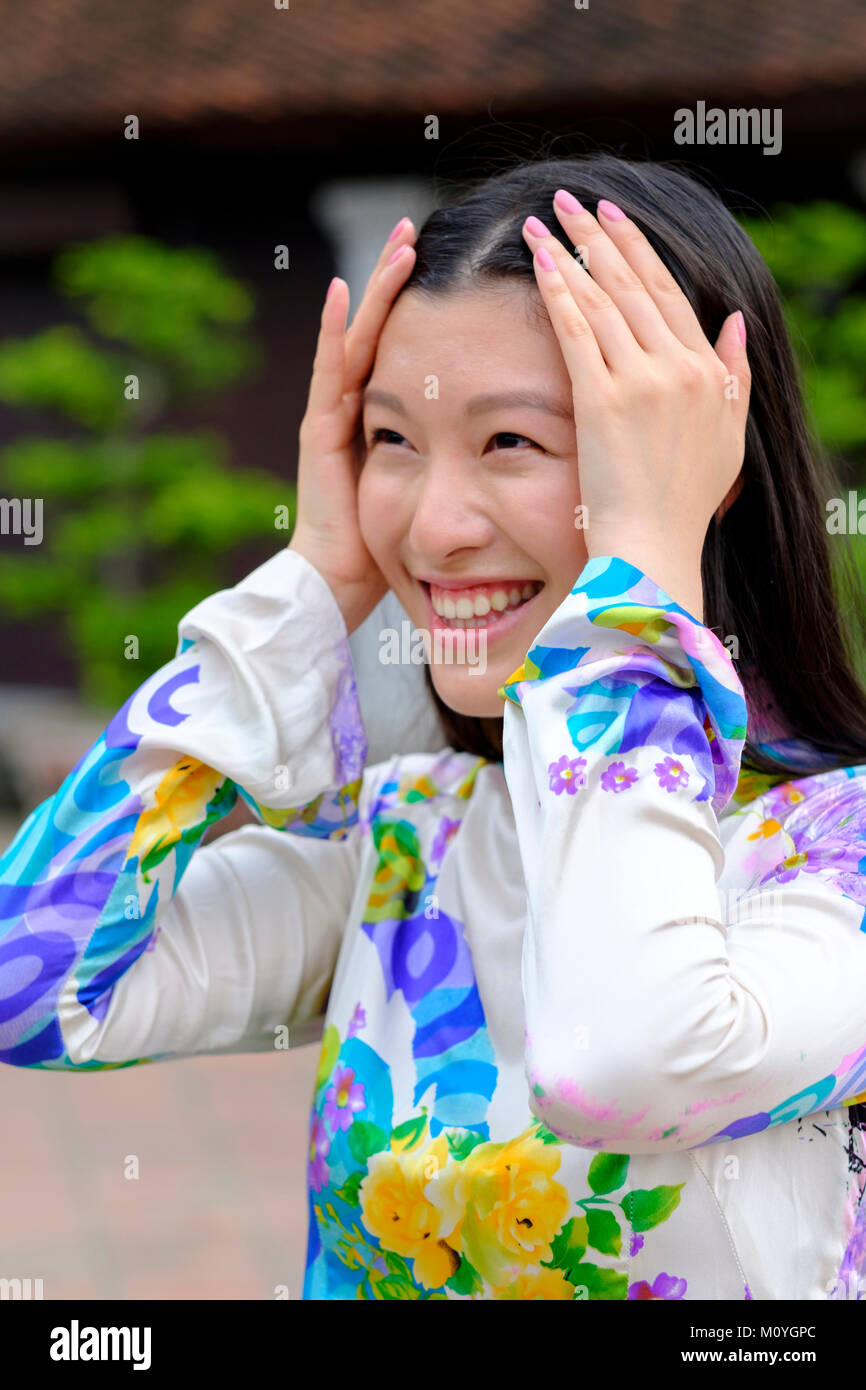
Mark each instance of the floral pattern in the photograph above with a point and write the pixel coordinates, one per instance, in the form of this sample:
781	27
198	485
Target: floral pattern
418	1188
403	1215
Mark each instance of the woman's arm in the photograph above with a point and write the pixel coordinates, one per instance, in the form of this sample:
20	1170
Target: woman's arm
118	942
654	1021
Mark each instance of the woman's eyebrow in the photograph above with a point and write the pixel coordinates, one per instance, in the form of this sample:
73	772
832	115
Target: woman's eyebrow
491	400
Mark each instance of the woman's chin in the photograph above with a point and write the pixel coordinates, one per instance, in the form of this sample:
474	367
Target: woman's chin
470	692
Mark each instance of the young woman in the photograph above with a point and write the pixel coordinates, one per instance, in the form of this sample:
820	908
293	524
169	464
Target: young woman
595	974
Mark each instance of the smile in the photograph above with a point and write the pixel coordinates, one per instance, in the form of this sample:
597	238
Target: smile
494	607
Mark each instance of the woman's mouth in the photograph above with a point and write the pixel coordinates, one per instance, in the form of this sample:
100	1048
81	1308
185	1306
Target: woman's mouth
495	608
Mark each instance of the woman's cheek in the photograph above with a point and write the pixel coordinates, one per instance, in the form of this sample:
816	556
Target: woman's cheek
380	506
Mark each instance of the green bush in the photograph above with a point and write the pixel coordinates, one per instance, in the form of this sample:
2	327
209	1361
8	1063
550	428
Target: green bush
137	523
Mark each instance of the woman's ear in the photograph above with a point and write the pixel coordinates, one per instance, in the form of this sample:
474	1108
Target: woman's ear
730	499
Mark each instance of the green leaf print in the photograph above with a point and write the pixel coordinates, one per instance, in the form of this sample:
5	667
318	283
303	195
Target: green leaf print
568	1246
465	1280
546	1135
604	1232
392	1290
460	1145
648	1207
599	1285
409	1132
349	1190
365	1139
328	1055
397	1265
607	1172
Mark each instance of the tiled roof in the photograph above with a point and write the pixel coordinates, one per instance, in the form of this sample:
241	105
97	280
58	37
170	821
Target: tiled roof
81	65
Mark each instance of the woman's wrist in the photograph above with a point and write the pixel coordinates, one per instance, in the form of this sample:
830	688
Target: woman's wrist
352	598
679	575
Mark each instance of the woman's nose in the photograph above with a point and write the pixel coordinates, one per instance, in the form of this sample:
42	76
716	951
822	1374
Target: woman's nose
448	513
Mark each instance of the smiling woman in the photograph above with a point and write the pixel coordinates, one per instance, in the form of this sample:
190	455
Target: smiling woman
605	952
471	490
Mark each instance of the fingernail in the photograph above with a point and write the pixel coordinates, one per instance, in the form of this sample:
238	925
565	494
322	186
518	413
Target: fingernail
545	260
608	209
331	286
741	327
536	227
567	201
393	257
396	229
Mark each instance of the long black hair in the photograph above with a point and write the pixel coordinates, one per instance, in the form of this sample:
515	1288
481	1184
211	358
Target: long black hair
767	567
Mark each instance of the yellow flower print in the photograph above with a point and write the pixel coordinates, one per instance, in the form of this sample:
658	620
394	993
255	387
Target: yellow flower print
512	1205
766	828
181	802
537	1284
398	1206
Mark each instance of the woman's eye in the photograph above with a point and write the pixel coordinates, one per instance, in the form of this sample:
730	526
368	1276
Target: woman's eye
377	437
506	434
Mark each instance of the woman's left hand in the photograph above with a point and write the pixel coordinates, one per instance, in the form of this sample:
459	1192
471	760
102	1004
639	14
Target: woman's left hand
660	413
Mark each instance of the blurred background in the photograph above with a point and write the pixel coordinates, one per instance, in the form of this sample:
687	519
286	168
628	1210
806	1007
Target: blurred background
179	180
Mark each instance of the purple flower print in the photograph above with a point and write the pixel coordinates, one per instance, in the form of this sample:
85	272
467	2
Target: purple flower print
357	1021
567	775
666	1286
671	774
618	778
635	1245
447	830
320	1145
811	858
343	1099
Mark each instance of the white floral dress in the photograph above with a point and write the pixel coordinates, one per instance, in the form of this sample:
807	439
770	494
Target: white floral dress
592	1019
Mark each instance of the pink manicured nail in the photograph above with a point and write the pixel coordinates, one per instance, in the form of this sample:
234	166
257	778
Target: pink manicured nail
536	227
741	327
611	210
331	286
545	260
567	201
392	235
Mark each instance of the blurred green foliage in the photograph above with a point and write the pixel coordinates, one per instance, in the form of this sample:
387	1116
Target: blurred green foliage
137	522
817	254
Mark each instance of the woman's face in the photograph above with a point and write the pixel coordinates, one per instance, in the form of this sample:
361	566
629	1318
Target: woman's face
468	490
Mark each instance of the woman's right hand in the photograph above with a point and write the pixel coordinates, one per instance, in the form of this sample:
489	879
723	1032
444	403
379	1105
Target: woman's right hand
326	531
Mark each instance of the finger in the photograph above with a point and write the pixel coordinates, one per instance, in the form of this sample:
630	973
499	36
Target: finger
614	338
660	283
326	382
577	339
730	348
610	269
391	271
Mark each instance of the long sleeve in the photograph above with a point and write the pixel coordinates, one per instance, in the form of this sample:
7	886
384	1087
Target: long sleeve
657	1017
122	938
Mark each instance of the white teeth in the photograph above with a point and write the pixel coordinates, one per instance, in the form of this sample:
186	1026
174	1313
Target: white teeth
468	607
